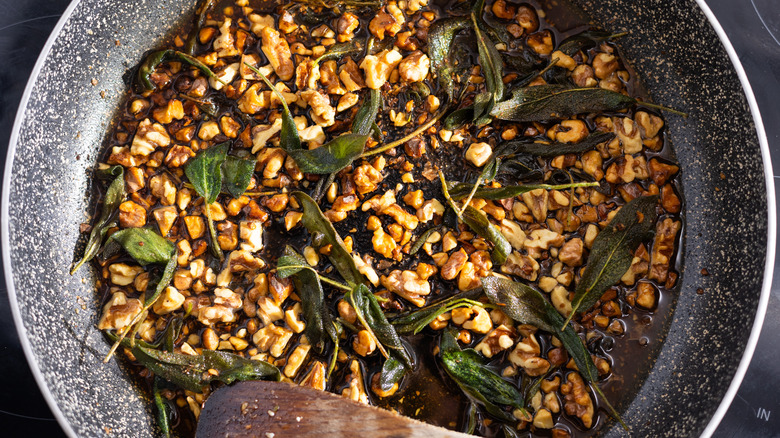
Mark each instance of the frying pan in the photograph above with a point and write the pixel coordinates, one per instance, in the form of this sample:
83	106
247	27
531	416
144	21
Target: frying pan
682	56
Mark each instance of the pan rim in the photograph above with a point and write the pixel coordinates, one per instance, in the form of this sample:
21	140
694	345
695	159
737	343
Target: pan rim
763	301
5	227
768	181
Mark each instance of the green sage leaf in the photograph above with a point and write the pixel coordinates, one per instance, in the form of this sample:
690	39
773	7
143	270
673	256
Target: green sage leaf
611	254
321	228
114	196
289	139
462	190
553	149
205	171
492	67
522	303
373	319
392	372
413	322
201	14
467	368
365	118
332	156
163	408
144	245
440	37
422	239
548	102
236	174
319	324
479	223
458	118
339	50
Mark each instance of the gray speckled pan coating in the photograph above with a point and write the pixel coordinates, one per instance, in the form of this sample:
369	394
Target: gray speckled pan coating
679	58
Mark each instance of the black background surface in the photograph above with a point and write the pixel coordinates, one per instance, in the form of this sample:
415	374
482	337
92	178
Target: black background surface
754	29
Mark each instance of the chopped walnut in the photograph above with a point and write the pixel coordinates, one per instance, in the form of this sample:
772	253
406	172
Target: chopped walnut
131	215
521	265
356	389
500	339
526	355
223	308
378	67
148	137
278	53
541	240
577	400
415	67
321	112
273	339
663	248
408	285
119	311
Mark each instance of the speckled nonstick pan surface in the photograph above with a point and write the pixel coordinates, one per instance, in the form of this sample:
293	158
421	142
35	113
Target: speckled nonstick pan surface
680	59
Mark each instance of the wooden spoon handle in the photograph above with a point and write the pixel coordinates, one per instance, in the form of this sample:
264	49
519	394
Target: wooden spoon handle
277	410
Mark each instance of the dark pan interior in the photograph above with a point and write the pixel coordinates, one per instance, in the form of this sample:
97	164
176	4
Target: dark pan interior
671	45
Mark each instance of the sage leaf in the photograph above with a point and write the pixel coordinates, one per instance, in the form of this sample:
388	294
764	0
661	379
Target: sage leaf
467	368
154	59
205	171
191	372
332	156
144	245
339	50
554	149
492	66
289	139
321	228
114	196
164	409
365	118
374	320
236	174
462	190
319	324
611	254
392	372
458	118
548	102
440	37
479	223
201	14
586	40
422	239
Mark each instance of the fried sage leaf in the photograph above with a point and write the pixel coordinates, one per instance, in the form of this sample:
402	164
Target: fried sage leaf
467	368
191	372
478	221
154	59
553	149
339	50
289	139
144	245
492	68
422	239
319	324
374	320
392	372
114	196
205	171
200	19
547	102
440	37
164	410
365	118
462	190
236	174
323	234
332	156
586	40
611	254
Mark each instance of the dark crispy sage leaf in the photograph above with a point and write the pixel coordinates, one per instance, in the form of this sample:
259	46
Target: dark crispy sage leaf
373	319
492	67
585	41
462	190
440	38
307	284
154	59
171	333
611	254
413	322
205	171
521	302
332	156
191	372
525	63
339	50
200	19
114	196
319	225
164	410
471	414
459	117
144	245
236	174
467	368
547	102
478	221
553	149
162	283
422	239
365	118
392	372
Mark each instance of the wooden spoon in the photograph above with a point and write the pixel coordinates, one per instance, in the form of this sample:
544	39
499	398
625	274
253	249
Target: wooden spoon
263	409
